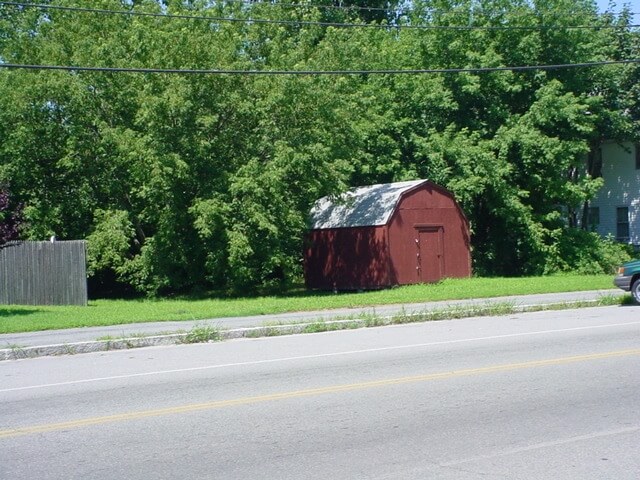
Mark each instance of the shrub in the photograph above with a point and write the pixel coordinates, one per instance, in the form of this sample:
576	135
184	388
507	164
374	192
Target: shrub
586	253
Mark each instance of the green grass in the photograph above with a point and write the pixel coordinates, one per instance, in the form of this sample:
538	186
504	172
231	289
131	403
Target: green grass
15	318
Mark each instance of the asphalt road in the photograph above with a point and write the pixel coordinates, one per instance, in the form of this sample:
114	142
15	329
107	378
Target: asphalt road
549	395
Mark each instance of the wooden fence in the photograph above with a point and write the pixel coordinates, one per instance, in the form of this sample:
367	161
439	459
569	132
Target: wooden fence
43	273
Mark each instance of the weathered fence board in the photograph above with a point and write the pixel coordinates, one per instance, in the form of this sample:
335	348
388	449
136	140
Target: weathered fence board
43	273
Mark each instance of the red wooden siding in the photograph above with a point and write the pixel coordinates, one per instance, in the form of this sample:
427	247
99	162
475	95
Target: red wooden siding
348	258
429	237
425	240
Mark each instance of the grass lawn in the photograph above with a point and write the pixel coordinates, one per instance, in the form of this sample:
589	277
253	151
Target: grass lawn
14	318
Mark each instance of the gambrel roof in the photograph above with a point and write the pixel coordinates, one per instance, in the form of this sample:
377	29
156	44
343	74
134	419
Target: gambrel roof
367	206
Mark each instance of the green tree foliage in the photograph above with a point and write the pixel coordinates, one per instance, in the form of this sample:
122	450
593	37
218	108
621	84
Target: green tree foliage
184	181
10	218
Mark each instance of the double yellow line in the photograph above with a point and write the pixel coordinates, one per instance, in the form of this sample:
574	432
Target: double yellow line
51	427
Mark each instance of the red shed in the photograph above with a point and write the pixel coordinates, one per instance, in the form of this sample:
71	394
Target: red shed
389	234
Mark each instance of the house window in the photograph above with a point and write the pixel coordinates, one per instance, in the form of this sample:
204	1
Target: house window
622	225
593	218
595	163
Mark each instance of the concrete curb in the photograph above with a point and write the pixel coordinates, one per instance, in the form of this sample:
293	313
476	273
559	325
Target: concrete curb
475	310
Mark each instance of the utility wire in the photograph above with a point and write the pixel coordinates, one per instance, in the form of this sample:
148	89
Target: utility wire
310	5
316	72
311	23
400	8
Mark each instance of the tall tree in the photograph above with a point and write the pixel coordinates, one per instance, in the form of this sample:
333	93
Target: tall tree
185	181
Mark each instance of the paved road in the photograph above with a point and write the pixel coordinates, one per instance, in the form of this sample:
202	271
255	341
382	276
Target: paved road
550	395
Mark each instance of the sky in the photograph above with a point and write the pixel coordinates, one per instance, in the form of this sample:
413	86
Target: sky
635	5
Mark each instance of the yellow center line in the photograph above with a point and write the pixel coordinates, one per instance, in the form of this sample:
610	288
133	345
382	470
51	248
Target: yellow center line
20	431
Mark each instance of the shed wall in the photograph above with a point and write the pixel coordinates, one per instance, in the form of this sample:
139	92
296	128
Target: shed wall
348	258
429	237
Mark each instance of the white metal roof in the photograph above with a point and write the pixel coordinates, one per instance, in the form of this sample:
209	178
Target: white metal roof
361	207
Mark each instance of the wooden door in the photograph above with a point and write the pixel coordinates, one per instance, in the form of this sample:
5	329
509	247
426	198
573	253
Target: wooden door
430	253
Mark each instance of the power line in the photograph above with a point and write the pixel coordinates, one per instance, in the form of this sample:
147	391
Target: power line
311	23
360	8
309	5
398	9
315	72
195	17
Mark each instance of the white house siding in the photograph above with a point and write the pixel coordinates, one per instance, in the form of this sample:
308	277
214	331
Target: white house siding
621	189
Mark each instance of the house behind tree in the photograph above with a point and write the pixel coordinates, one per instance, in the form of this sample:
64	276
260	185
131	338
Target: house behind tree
615	210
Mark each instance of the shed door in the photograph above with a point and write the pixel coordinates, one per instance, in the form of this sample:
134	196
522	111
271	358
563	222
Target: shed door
430	253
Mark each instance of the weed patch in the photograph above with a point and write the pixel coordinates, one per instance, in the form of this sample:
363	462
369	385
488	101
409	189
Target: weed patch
202	334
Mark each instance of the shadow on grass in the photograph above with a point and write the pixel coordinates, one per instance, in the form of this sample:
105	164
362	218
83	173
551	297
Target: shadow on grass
293	291
628	301
13	312
282	294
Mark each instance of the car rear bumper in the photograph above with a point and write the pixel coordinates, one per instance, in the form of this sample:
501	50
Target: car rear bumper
623	282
